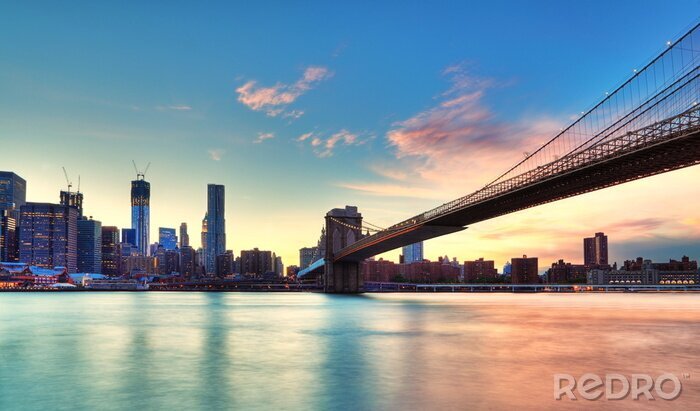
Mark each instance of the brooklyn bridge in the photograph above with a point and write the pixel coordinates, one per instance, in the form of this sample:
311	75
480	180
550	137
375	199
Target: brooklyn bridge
649	124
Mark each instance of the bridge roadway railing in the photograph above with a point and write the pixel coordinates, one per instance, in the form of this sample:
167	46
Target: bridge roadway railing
680	125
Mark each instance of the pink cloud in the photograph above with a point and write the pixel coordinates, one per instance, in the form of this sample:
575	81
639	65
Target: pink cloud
455	146
262	137
274	100
325	146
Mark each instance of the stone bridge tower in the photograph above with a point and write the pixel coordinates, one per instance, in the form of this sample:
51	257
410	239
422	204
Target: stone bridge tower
343	227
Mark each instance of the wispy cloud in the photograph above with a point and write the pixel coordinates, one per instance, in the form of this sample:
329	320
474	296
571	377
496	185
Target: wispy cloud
216	153
274	100
262	137
459	142
324	145
181	107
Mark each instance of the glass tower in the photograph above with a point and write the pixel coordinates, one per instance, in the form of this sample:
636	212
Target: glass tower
48	235
167	238
140	212
413	253
13	191
89	246
184	237
216	225
110	250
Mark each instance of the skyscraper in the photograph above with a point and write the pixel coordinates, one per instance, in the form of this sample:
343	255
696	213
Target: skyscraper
184	237
73	199
216	225
9	244
224	264
307	255
167	238
110	250
89	246
203	254
140	212
187	261
595	250
413	253
279	266
48	235
129	236
13	191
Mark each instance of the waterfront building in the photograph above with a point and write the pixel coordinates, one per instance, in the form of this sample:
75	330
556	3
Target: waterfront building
158	252
237	265
200	258
279	266
48	235
187	261
140	212
89	246
562	272
480	270
13	191
256	262
216	225
110	250
425	271
292	271
9	238
171	264
524	270
139	265
595	250
379	270
73	199
307	255
685	264
413	253
167	238
646	276
641	271
202	252
224	264
184	237
126	250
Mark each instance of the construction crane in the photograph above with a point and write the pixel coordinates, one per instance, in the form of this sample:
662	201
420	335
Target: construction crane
140	174
70	184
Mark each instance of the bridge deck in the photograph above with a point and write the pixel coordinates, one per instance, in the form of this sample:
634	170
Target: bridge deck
661	147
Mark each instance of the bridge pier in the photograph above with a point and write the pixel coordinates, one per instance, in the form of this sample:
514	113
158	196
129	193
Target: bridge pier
343	227
343	278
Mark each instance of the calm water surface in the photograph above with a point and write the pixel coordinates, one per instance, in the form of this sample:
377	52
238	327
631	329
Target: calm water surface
215	351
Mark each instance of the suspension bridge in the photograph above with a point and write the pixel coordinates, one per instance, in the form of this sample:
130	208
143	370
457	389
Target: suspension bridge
649	124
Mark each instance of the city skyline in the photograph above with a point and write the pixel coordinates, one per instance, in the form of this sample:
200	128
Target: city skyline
305	164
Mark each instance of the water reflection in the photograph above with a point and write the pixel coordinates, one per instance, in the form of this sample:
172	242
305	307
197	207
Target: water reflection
114	351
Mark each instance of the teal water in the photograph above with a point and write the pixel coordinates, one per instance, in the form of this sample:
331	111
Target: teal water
221	351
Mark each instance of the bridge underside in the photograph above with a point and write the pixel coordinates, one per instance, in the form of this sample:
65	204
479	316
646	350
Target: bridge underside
400	238
673	154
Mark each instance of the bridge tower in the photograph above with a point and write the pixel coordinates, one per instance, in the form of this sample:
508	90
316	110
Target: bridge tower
343	227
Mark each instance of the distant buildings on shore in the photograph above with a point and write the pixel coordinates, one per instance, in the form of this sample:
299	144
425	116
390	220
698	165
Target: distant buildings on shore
60	237
63	237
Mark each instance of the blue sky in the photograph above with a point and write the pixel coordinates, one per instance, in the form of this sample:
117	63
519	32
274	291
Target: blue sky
92	86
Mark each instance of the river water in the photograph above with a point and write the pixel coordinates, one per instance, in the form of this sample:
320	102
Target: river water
303	351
